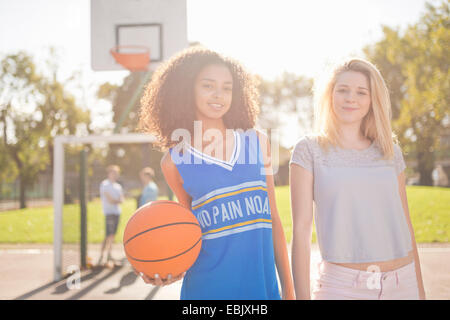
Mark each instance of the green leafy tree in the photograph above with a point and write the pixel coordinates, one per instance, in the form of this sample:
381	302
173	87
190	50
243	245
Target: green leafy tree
416	64
21	133
389	56
33	109
60	113
120	96
130	157
289	95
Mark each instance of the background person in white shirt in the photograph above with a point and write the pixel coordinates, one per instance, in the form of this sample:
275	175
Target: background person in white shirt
111	195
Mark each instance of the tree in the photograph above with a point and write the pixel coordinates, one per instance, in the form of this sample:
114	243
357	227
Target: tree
21	135
389	56
287	96
130	157
33	109
416	67
120	96
61	114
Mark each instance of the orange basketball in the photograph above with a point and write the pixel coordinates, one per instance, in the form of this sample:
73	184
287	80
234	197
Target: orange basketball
162	237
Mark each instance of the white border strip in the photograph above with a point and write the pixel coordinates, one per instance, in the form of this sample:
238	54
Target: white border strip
259	225
224	164
205	158
257	183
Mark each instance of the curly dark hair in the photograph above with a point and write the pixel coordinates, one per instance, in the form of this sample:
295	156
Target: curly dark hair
168	102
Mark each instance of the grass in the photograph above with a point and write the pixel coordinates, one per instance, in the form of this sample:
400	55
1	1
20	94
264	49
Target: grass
429	209
35	225
430	213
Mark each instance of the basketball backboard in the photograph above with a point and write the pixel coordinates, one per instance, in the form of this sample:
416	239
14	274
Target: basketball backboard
160	25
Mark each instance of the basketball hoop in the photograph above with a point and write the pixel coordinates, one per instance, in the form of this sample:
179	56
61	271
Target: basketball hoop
133	58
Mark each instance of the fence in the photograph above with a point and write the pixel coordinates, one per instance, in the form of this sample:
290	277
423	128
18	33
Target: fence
38	194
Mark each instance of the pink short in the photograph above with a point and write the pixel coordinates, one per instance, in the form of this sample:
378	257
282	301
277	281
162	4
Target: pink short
341	283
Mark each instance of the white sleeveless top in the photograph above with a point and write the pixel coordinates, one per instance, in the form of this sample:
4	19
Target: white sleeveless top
358	214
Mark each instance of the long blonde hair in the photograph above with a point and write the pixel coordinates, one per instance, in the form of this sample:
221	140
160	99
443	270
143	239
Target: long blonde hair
376	125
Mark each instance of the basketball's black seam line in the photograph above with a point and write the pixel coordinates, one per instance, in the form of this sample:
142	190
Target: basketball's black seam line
162	226
159	260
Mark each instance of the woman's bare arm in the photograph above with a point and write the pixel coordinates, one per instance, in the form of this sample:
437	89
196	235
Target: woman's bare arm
301	186
403	197
279	239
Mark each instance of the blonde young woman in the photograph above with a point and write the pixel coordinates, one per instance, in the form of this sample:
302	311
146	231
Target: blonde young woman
352	170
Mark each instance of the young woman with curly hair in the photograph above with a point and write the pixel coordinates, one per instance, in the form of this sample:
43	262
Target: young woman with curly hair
227	183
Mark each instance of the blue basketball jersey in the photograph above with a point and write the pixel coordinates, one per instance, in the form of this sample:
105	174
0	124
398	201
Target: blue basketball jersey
230	201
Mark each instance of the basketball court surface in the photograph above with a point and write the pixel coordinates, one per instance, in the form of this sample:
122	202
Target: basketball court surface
26	274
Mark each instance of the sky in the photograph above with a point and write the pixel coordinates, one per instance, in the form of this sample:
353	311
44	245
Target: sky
267	36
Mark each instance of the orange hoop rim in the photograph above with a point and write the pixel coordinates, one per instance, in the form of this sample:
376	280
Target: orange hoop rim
133	61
